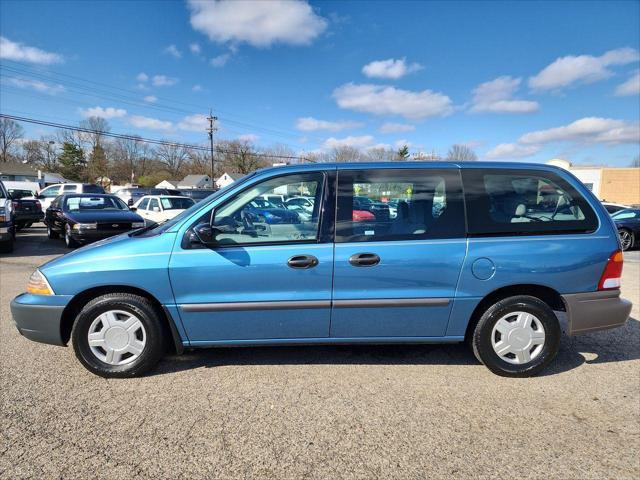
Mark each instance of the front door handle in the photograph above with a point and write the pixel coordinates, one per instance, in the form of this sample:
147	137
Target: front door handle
364	259
302	261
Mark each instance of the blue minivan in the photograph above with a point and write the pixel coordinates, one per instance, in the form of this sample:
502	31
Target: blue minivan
504	256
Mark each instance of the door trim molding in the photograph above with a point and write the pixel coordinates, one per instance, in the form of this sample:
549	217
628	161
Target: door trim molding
237	306
392	302
302	304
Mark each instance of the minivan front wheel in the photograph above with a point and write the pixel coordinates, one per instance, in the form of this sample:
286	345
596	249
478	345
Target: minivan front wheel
517	336
118	335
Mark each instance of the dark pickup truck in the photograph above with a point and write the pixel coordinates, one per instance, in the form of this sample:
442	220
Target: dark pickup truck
26	210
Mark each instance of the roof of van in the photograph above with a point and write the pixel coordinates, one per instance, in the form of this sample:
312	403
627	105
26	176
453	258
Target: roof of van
415	164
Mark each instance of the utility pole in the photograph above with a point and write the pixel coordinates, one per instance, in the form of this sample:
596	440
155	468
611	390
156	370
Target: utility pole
212	128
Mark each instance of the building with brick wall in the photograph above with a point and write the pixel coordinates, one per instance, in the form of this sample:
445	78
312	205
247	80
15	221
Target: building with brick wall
611	184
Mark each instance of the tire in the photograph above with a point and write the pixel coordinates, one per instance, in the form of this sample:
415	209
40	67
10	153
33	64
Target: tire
28	224
150	335
52	234
525	356
627	239
20	226
68	239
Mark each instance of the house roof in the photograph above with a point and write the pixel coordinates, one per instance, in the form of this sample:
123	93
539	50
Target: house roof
173	182
12	168
194	179
232	175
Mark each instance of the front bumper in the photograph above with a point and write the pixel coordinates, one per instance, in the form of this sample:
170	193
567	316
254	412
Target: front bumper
38	317
88	236
588	312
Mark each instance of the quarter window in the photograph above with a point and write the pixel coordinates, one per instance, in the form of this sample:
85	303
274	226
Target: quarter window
252	217
143	204
402	204
522	202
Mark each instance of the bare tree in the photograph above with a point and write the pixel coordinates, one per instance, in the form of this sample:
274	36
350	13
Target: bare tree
130	157
345	153
173	156
40	153
462	153
10	133
380	154
239	157
97	127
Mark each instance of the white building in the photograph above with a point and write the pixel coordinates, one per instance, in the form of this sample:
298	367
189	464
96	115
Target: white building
195	181
170	184
226	179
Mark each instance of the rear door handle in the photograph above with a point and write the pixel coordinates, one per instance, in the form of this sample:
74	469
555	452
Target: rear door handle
364	259
302	261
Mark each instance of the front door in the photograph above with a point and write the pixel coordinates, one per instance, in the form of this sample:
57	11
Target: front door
268	276
395	275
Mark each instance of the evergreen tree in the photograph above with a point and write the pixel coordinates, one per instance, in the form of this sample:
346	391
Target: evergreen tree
72	162
98	165
403	153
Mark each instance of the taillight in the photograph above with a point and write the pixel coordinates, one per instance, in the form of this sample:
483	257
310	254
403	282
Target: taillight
38	205
15	205
612	274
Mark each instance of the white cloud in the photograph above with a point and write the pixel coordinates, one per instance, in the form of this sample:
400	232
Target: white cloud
149	123
390	68
150	99
220	60
364	141
391	127
196	88
22	53
512	150
385	100
248	137
37	85
163	81
630	87
258	23
401	143
142	77
495	96
588	130
581	69
173	51
310	124
194	123
195	48
107	113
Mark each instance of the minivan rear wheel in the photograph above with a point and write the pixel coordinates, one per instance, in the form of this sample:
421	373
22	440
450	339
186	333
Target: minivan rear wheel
517	336
626	239
118	335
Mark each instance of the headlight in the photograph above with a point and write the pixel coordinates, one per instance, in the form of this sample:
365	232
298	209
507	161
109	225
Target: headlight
137	225
38	284
85	226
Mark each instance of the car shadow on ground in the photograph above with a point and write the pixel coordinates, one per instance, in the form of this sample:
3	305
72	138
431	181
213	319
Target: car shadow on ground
33	242
618	345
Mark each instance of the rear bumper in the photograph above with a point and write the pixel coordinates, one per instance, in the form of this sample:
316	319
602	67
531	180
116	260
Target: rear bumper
5	232
588	312
38	317
29	217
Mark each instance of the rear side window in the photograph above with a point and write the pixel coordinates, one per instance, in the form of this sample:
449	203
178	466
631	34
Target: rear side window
426	204
143	204
90	188
70	188
524	202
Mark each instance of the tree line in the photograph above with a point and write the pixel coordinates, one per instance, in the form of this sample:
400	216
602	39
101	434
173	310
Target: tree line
91	156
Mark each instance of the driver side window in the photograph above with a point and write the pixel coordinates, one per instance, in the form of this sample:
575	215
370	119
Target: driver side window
253	217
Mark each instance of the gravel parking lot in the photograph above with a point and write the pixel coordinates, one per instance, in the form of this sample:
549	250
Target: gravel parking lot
318	412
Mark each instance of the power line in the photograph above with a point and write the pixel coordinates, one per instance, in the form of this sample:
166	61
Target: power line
141	139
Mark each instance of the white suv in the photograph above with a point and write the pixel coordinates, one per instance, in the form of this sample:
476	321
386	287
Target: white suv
48	194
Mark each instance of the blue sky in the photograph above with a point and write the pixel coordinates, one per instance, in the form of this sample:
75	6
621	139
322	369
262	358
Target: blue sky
514	80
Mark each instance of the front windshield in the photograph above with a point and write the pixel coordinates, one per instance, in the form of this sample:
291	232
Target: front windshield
165	226
75	204
175	203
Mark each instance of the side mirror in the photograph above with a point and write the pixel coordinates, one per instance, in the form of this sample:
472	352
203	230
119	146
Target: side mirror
206	234
133	209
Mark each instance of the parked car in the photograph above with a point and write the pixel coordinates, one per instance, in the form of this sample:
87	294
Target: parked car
198	194
48	194
614	207
363	216
379	209
492	268
132	195
628	225
84	218
304	202
262	210
160	208
27	210
7	229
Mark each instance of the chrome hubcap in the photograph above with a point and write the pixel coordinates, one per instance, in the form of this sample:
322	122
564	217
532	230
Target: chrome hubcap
117	337
518	337
625	239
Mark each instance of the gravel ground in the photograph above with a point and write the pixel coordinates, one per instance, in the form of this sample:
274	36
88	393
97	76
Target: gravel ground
318	412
